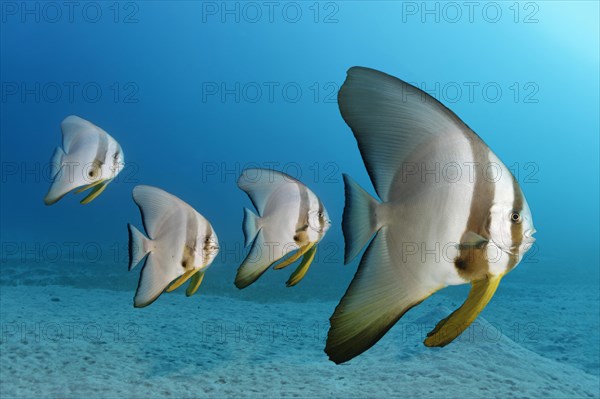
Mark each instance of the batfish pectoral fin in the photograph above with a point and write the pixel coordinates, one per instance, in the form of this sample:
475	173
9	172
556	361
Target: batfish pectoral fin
181	279
98	189
452	326
303	267
195	283
301	251
472	239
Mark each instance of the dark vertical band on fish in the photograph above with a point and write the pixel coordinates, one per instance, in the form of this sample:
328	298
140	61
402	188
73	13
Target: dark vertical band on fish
302	224
471	262
191	236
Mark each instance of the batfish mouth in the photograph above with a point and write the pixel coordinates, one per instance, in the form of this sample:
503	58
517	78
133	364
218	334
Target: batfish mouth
528	239
529	235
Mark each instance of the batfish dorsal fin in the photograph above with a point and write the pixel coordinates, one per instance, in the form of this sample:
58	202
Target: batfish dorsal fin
156	206
390	119
75	128
260	183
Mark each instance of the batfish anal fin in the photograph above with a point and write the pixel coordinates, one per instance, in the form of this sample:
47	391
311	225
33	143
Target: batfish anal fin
255	264
379	295
156	275
454	325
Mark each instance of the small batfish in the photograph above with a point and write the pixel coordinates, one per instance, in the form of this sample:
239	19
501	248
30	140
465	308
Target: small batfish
88	159
181	244
292	219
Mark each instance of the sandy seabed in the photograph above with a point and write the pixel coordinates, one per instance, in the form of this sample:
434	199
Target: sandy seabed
71	342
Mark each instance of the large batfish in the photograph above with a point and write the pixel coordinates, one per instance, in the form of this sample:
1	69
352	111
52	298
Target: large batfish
450	213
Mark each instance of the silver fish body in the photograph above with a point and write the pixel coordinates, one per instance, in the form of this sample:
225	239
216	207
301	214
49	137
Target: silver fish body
88	159
450	213
291	219
181	244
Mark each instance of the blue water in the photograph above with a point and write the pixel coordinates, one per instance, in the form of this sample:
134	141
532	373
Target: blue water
195	92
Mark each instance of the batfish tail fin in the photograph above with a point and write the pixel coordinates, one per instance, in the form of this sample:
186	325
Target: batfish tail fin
56	161
359	221
379	295
138	246
454	325
250	226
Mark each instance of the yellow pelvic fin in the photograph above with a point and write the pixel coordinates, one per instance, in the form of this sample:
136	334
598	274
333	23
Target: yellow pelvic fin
303	267
194	284
94	193
88	186
301	251
181	279
452	326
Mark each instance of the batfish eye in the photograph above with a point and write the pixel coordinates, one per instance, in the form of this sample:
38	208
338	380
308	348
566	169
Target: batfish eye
515	217
92	172
315	220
